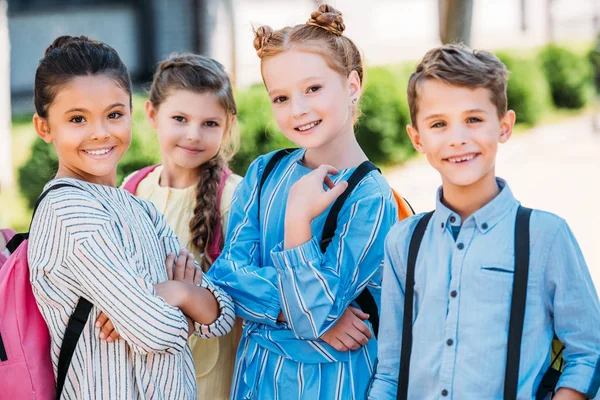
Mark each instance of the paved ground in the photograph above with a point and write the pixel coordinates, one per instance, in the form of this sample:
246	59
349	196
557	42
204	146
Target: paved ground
552	167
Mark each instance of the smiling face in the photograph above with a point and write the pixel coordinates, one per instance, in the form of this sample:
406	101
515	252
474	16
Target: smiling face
458	129
311	102
190	128
89	123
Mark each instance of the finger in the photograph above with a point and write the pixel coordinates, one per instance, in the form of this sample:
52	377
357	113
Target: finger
198	276
102	318
359	313
339	345
169	265
114	335
190	269
357	337
325	170
336	191
106	330
179	271
329	182
349	342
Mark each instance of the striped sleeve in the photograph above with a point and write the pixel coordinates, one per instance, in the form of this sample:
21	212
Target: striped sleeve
171	244
238	270
316	288
94	269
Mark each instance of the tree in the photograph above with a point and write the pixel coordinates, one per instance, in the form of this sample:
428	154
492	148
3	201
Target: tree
455	21
6	173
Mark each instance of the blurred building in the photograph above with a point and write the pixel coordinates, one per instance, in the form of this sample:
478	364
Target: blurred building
145	31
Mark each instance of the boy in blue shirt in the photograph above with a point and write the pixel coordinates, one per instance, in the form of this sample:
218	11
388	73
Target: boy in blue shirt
463	276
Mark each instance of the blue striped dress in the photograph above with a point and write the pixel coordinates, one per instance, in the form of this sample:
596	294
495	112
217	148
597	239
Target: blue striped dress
108	246
288	360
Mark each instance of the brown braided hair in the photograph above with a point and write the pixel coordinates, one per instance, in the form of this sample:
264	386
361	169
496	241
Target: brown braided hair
201	75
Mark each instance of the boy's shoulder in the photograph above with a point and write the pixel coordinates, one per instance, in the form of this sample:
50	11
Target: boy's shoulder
401	233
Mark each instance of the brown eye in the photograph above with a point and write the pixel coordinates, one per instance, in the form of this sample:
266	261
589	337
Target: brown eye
78	119
115	115
179	118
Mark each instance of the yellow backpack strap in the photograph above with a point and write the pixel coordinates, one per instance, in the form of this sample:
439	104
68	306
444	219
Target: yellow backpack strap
404	209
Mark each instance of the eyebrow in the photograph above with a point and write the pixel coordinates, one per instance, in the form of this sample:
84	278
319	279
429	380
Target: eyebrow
474	110
310	78
86	110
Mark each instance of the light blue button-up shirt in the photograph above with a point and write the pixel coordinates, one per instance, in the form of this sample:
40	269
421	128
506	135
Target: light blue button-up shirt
463	292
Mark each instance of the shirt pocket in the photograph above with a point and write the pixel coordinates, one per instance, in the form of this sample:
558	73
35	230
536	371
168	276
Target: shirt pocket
494	282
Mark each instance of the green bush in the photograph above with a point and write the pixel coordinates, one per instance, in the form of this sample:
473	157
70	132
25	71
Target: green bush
37	171
381	130
259	133
569	76
528	91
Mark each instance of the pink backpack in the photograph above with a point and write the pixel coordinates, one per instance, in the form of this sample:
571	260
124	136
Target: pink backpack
25	363
215	246
8	234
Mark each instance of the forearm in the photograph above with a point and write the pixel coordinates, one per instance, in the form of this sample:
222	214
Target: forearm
199	304
297	231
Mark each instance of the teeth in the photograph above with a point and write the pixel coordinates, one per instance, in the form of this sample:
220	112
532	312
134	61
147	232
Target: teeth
461	159
98	152
308	126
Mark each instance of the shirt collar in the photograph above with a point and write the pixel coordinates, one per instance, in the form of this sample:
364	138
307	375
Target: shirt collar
486	217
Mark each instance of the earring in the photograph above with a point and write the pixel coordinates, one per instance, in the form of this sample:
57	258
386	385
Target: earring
354	101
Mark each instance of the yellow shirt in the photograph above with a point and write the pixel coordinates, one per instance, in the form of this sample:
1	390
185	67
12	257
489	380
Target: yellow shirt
213	358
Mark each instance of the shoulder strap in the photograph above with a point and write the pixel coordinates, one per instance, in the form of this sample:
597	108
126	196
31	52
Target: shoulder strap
133	182
409	290
365	299
331	222
216	242
19	238
517	307
74	329
269	168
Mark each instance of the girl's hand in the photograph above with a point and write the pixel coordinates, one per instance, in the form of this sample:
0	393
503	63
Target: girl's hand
350	332
175	293
107	330
308	199
183	269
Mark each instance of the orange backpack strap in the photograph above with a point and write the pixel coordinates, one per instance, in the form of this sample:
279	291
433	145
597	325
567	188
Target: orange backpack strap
404	209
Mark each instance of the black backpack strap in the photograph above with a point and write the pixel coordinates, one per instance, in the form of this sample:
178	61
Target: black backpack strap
73	332
517	307
331	222
79	317
19	238
269	168
365	299
409	291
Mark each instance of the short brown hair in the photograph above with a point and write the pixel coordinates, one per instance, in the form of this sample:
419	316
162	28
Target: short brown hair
322	34
458	65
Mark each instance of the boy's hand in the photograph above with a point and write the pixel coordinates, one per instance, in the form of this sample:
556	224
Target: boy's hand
183	268
350	332
308	199
107	330
568	394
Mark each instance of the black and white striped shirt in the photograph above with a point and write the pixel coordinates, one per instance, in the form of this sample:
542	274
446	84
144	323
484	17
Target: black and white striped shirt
108	246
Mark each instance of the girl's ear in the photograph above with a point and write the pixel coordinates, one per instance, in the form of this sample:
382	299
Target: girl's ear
354	86
41	128
151	114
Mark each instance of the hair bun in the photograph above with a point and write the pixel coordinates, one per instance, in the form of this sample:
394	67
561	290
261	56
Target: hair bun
261	38
328	18
64	41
